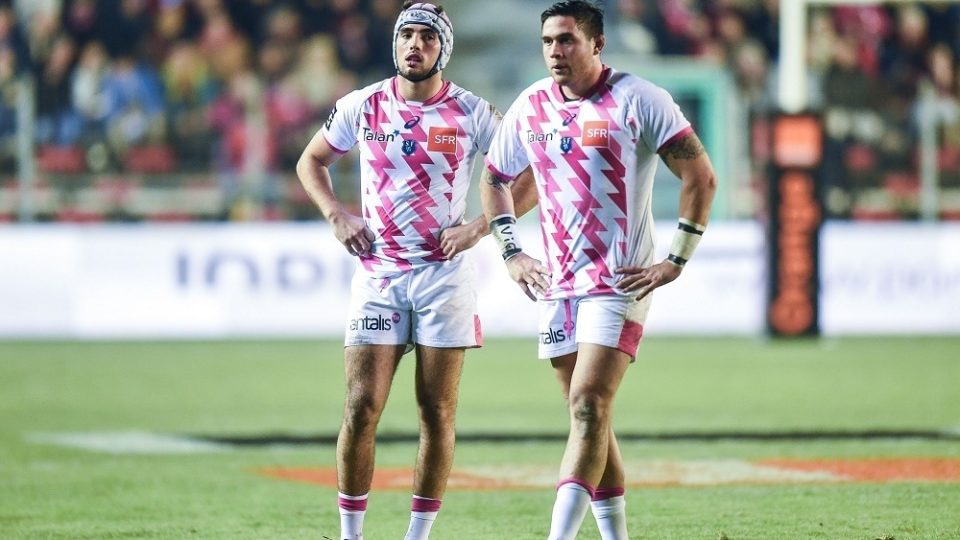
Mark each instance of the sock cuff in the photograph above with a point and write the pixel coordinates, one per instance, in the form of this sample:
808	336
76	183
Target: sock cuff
603	493
425	504
352	503
576	481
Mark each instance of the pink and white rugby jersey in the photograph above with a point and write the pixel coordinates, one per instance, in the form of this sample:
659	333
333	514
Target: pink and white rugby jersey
415	166
594	160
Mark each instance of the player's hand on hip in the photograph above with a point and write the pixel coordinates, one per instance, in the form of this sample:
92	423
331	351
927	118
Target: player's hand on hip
454	240
530	274
353	233
642	281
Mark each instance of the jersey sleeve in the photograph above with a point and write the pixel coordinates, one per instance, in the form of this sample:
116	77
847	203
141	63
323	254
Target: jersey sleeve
507	158
662	120
488	119
340	129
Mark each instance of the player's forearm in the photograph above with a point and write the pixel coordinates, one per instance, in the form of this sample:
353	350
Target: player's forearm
696	195
495	197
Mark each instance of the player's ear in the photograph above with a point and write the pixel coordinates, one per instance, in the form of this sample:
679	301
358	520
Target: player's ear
598	43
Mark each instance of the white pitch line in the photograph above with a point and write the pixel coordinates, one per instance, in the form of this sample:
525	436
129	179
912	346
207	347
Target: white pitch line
128	442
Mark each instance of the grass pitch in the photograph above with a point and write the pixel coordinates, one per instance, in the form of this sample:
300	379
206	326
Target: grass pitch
706	388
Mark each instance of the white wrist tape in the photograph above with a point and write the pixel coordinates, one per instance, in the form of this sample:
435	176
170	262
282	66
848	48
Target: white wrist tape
685	241
504	230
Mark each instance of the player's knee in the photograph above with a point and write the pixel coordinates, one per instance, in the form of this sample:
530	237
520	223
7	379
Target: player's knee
438	414
362	412
589	411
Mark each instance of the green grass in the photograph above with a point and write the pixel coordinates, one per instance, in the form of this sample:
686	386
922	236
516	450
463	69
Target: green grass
677	385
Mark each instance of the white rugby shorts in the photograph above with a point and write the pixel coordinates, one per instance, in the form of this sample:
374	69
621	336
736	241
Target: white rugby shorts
433	305
609	320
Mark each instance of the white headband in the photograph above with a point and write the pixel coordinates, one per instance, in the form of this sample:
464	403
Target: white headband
427	15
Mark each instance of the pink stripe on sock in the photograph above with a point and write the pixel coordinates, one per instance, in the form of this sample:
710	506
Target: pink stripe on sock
605	493
590	489
424	504
353	505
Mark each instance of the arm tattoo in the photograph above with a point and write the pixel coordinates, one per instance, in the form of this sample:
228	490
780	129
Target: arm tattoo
688	147
497	183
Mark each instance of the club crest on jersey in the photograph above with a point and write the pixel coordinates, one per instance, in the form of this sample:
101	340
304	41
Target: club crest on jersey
596	133
442	139
370	135
409	147
533	136
566	144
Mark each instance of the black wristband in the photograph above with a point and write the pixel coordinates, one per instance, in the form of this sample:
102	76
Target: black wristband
679	261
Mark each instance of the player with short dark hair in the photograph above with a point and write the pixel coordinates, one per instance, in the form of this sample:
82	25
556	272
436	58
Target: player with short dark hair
593	136
418	136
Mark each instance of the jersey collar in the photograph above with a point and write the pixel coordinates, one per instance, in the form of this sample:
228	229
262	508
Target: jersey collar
558	94
437	98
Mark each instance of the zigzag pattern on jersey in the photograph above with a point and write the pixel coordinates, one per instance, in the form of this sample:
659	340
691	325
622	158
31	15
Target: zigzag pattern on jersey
585	204
615	173
419	183
389	231
554	211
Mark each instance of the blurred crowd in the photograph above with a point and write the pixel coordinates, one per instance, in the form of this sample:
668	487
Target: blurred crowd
163	85
875	72
234	88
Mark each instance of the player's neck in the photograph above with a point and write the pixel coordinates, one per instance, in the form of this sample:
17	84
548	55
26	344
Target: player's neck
419	91
583	86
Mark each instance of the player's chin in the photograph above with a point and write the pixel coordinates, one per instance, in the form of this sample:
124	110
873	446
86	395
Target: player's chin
413	73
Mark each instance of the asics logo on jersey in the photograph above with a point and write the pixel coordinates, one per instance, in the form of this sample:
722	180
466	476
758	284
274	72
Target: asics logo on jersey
552	336
370	135
568	119
375	323
596	133
412	122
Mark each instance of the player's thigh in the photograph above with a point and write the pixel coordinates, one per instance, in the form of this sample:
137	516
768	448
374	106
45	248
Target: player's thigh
379	312
438	374
444	302
563	368
612	321
598	371
369	371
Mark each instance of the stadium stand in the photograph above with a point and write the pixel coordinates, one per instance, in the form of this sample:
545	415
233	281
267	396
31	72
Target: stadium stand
198	109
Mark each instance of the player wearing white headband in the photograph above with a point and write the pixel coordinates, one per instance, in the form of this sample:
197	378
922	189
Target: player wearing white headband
418	137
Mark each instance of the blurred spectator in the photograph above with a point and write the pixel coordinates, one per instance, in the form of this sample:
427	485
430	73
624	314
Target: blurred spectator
8	107
129	22
81	20
57	121
88	91
634	27
903	55
134	103
190	90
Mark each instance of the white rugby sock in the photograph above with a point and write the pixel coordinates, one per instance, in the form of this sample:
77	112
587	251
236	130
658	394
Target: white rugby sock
573	499
610	511
352	510
423	512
